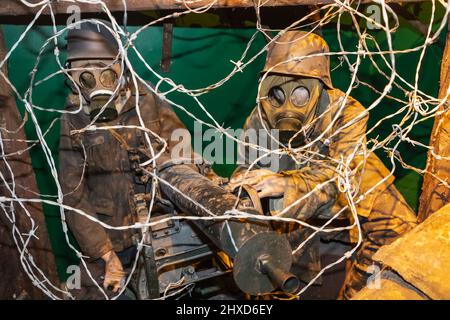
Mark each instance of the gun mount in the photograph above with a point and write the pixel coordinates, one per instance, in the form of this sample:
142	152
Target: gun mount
261	257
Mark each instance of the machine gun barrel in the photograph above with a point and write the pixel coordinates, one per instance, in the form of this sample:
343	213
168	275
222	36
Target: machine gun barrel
283	279
247	242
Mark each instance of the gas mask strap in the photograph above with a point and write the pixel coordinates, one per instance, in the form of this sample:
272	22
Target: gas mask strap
324	102
322	105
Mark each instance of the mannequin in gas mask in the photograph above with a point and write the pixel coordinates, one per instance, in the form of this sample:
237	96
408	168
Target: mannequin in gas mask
297	98
97	173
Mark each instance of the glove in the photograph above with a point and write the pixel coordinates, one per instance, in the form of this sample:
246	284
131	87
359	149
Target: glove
114	274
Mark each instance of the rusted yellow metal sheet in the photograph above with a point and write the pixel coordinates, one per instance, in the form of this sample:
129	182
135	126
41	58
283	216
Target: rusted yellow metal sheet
388	290
422	256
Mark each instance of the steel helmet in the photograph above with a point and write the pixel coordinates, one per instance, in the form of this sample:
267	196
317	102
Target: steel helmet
91	41
299	44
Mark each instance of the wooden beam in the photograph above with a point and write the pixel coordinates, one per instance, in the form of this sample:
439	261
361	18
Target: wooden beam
273	17
14	282
166	58
16	8
434	194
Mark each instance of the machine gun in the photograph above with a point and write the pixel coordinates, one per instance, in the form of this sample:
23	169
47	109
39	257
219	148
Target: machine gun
177	253
193	254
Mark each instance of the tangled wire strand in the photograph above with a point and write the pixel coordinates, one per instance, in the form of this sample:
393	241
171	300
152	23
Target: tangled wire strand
417	108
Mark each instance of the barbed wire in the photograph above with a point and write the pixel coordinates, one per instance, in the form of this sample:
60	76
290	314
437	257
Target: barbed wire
417	107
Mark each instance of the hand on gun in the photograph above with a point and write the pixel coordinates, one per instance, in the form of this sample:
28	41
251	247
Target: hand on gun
266	182
114	274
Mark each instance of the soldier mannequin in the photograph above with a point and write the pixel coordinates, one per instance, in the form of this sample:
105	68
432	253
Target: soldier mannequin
298	98
96	173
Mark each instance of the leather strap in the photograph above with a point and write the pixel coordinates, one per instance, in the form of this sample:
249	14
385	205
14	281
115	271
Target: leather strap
254	197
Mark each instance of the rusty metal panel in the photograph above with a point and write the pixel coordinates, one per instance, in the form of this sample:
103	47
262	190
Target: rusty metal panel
435	194
422	256
388	290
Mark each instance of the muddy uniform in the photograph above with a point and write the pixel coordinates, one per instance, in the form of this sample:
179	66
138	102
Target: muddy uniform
338	126
383	213
97	176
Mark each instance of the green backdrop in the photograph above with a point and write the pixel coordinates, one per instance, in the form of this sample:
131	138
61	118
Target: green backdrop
201	56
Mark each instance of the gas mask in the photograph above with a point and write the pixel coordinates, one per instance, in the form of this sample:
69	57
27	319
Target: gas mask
99	83
289	104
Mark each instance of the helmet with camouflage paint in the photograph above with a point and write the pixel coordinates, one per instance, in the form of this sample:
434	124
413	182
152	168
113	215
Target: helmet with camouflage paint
301	45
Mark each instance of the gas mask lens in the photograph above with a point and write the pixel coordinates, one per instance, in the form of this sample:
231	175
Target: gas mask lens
276	96
108	78
87	80
300	96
